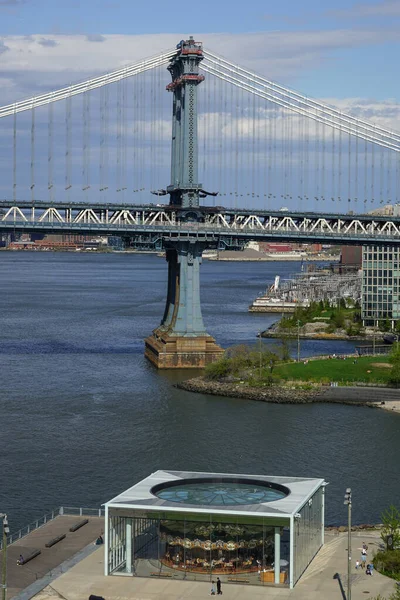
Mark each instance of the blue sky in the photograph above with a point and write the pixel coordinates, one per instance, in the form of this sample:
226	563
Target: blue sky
339	48
343	52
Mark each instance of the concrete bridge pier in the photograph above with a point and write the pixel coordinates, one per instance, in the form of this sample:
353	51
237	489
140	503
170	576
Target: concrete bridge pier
181	341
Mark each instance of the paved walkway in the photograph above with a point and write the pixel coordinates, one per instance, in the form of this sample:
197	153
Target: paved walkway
20	577
324	580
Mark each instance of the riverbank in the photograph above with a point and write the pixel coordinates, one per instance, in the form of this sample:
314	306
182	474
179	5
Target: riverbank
299	393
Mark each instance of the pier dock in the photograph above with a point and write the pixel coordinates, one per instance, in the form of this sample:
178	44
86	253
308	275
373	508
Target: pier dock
20	577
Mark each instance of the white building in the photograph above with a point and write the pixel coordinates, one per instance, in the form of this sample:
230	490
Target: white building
198	526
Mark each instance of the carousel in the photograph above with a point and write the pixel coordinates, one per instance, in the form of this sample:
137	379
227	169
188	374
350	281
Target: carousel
217	547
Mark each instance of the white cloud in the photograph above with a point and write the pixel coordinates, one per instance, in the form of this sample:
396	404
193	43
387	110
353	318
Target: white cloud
274	54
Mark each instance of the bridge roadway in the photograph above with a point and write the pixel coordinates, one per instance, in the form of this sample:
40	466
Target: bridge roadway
226	227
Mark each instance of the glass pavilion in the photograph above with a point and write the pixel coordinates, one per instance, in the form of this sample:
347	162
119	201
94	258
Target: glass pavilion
198	526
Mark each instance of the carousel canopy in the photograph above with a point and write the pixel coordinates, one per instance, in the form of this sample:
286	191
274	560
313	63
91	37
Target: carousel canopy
218	493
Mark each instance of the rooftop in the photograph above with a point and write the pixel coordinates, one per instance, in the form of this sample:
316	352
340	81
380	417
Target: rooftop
220	493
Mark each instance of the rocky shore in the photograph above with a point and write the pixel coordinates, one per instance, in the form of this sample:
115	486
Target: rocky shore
376	397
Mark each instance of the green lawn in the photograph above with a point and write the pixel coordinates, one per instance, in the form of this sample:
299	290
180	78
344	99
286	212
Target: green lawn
336	370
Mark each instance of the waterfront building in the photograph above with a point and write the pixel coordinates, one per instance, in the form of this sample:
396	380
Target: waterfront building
380	284
199	526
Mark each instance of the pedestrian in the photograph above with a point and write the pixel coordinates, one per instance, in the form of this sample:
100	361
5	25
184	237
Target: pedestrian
357	564
363	560
219	592
213	588
20	561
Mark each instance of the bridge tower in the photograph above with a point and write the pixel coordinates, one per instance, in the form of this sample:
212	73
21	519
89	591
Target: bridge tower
181	340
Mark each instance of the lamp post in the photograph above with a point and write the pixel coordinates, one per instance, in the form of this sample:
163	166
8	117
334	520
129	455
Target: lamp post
6	530
347	500
260	349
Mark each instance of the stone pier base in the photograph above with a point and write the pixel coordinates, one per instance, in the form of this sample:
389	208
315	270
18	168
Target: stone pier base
169	351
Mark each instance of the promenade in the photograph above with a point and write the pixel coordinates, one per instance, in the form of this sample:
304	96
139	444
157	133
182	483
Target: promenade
50	559
325	579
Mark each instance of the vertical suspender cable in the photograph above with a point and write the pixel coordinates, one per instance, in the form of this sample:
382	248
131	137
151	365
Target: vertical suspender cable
307	161
237	119
135	168
333	190
106	171
349	171
119	125
356	192
68	184
340	166
220	126
101	142
32	187
373	174
268	189
50	152
365	175
300	191
15	156
317	161
124	138
323	191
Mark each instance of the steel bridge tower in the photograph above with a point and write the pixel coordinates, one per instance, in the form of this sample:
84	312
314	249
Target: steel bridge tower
181	340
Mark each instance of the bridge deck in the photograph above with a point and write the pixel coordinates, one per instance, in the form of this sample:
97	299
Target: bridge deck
19	577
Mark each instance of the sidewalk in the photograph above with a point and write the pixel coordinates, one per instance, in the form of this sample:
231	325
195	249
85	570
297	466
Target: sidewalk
320	581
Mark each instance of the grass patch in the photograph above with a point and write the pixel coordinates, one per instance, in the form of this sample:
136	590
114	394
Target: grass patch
342	371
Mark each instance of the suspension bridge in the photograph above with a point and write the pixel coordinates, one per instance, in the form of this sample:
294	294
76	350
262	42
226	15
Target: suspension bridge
90	157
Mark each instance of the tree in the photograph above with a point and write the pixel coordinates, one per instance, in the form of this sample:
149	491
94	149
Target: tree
395	361
391	525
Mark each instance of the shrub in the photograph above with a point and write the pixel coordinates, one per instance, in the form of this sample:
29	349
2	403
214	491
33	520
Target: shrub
217	370
388	563
395	360
391	525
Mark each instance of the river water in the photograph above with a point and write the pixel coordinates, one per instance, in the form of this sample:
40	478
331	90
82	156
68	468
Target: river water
84	416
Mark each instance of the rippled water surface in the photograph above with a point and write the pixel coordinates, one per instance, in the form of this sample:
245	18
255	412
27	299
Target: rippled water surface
83	415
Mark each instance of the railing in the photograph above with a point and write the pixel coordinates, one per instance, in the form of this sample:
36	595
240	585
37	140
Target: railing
62	510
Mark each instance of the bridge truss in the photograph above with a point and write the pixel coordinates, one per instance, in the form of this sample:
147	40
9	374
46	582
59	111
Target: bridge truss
226	227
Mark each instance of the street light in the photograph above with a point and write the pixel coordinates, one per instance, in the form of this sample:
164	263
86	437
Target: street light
347	500
6	530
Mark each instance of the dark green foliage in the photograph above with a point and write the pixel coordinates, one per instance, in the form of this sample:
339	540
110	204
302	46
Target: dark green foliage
217	370
388	563
395	360
338	319
254	363
391	525
385	325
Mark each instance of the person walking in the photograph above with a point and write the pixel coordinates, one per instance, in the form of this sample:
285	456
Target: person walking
219	592
213	588
363	560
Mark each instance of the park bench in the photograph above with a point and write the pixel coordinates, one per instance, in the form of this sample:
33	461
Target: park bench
161	574
238	579
30	556
55	540
78	525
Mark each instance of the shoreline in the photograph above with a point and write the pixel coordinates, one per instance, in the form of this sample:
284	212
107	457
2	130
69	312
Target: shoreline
386	398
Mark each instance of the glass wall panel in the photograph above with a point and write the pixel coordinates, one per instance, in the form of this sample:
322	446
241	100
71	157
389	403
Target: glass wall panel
200	548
